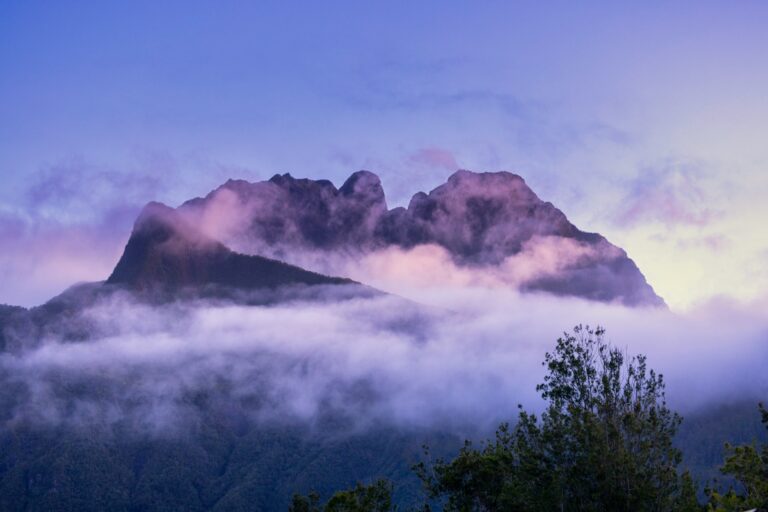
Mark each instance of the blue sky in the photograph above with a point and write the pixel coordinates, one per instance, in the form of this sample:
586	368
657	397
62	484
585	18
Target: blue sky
645	121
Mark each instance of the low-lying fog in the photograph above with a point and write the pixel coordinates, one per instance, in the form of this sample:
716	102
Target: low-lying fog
457	357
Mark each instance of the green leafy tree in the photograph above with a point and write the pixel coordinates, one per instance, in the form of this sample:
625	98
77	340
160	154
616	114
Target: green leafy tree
748	465
687	499
604	442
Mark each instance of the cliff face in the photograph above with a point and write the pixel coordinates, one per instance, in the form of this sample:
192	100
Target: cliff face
483	220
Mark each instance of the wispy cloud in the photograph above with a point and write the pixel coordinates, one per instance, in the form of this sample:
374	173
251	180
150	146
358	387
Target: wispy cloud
77	190
76	218
672	194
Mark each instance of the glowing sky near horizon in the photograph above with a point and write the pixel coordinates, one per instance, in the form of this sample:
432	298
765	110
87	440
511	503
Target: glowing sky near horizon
644	122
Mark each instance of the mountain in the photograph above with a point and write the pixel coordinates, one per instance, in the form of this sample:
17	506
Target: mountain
485	221
165	252
59	452
167	259
11	318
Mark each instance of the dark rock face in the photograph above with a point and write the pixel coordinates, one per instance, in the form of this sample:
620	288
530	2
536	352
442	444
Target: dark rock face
478	218
284	213
166	253
483	220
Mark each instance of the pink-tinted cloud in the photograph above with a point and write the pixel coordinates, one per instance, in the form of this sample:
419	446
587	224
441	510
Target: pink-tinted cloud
76	219
39	261
435	157
400	270
673	194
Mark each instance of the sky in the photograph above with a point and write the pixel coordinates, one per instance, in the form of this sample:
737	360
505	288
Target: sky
643	121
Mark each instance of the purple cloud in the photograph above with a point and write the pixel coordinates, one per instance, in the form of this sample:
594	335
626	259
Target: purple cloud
76	190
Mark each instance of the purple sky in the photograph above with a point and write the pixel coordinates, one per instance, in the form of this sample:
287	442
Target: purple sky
645	122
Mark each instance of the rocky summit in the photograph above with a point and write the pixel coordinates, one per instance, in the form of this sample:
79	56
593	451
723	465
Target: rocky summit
485	221
167	253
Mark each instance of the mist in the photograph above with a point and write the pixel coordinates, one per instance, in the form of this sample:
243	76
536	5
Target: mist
456	358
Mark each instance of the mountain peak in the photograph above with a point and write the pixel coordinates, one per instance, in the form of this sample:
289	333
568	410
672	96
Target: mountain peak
287	181
154	214
362	181
466	175
509	185
167	253
482	220
162	245
281	178
162	223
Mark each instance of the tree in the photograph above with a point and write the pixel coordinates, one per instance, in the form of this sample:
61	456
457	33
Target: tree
604	442
308	503
376	497
748	465
687	499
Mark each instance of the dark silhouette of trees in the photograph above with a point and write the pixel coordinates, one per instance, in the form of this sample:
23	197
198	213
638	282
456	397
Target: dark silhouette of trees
376	497
604	442
748	466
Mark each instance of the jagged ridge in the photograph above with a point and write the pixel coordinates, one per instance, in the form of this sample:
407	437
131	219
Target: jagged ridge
481	219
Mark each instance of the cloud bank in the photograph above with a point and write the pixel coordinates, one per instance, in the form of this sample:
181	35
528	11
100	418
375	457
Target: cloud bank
463	362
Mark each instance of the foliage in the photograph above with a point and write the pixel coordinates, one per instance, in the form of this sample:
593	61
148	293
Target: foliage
217	468
687	498
604	442
376	497
748	465
308	503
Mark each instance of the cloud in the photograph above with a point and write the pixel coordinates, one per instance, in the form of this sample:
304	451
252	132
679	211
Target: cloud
434	157
76	191
41	258
672	194
715	243
70	226
464	361
394	269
